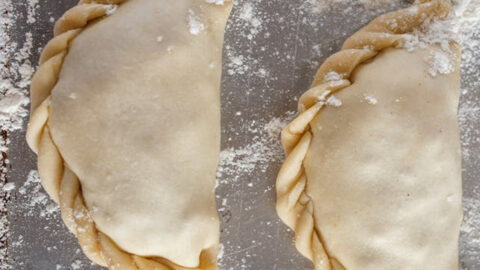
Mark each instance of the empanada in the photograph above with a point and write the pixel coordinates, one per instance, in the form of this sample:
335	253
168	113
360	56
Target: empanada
126	123
374	181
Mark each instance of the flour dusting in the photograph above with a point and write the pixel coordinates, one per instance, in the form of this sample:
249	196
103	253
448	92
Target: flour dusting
15	73
467	27
333	101
370	99
440	63
471	228
32	6
34	200
217	2
249	15
110	9
441	33
196	26
320	6
259	153
332	76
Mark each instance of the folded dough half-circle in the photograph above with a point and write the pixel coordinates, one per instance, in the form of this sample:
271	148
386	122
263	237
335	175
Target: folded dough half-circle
376	182
126	124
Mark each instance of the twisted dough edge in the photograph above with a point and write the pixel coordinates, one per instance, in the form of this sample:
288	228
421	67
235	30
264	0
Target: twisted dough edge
57	179
294	206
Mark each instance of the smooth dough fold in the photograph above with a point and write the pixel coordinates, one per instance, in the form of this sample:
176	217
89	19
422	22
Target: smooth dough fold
376	182
126	124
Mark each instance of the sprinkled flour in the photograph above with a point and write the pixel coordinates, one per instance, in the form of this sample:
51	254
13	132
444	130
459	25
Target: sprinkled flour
34	200
249	16
31	11
332	76
470	227
242	166
469	120
110	9
319	6
440	33
370	99
264	149
15	73
241	163
217	2
440	63
15	77
333	101
194	23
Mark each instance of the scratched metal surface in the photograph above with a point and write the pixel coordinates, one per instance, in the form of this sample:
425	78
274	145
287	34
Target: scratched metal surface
294	42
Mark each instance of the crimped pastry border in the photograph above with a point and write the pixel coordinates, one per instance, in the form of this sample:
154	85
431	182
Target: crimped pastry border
57	179
294	206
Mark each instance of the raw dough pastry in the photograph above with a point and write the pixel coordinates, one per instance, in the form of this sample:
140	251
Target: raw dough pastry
376	182
126	124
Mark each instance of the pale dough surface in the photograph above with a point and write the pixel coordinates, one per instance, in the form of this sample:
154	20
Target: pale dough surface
138	121
385	178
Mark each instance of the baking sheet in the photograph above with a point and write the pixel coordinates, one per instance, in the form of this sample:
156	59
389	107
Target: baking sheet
272	50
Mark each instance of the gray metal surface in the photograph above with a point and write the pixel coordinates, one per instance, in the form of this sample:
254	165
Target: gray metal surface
288	46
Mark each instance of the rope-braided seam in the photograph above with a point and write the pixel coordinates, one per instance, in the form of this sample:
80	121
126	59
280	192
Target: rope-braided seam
57	179
294	206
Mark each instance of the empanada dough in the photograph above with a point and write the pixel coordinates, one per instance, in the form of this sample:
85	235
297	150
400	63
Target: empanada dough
135	117
376	182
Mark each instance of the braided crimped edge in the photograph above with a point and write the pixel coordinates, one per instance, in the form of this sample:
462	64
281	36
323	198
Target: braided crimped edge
294	206
57	179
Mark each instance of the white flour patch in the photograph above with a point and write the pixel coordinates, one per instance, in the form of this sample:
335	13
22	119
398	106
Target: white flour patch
440	63
441	33
238	64
249	16
12	110
468	25
33	200
370	99
264	149
469	111
221	252
195	26
252	23
321	6
110	9
333	101
77	265
217	2
9	187
332	76
15	73
471	229
32	6
248	22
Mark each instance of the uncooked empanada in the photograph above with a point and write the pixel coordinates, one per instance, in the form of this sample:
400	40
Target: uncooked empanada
374	180
126	123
